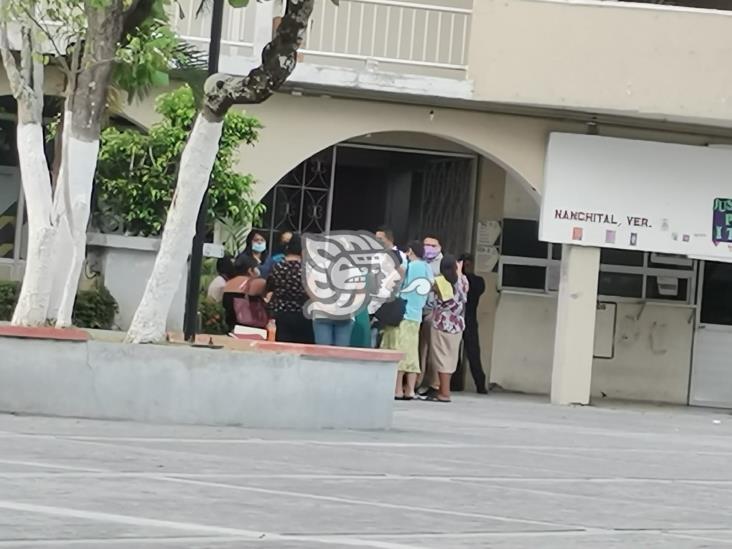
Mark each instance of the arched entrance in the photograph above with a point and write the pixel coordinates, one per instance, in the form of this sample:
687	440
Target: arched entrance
373	181
296	128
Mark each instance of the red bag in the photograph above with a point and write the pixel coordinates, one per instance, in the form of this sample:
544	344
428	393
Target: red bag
250	310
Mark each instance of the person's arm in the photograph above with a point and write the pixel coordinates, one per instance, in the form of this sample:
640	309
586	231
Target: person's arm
272	279
478	285
257	287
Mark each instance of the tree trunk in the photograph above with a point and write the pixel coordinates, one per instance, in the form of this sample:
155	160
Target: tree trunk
221	91
87	99
77	203
26	83
35	292
62	249
197	160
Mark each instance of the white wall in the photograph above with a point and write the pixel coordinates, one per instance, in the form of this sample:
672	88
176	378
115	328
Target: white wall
652	353
518	202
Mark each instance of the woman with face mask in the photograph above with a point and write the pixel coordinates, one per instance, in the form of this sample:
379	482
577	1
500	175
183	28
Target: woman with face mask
256	247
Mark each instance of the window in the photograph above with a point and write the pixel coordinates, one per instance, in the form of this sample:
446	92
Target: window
529	265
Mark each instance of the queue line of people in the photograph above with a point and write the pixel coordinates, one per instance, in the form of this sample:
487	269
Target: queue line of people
429	333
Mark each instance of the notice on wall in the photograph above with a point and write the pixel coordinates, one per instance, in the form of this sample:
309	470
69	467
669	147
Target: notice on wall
486	251
638	195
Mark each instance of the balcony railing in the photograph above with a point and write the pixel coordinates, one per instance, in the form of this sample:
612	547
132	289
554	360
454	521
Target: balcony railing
391	31
403	35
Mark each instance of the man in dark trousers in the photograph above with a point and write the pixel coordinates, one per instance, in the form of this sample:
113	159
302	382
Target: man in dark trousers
471	339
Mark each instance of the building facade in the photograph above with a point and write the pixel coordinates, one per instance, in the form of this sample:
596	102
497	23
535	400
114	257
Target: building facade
434	115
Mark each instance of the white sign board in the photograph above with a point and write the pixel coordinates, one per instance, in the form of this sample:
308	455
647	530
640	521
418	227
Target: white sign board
213	250
638	195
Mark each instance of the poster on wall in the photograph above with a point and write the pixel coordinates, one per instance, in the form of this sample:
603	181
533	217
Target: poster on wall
638	195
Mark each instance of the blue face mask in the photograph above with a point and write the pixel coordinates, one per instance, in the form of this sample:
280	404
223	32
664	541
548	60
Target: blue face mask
259	247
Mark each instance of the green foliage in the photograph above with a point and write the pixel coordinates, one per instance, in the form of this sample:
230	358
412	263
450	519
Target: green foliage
150	52
95	309
213	318
8	298
136	172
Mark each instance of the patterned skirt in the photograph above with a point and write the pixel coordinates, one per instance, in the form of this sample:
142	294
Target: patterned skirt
404	338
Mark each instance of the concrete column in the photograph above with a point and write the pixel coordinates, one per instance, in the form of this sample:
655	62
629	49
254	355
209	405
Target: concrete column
575	332
264	16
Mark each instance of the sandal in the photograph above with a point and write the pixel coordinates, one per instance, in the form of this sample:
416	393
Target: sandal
399	398
433	398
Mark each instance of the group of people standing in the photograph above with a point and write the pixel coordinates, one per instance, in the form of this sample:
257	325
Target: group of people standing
436	323
429	332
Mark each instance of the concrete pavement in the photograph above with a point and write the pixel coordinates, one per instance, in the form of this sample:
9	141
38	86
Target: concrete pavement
501	471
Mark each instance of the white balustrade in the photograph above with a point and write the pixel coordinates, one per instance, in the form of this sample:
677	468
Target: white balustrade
397	33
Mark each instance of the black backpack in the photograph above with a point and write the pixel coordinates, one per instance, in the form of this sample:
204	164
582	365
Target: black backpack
392	312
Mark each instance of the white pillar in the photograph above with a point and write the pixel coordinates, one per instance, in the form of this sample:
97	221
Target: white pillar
575	331
263	15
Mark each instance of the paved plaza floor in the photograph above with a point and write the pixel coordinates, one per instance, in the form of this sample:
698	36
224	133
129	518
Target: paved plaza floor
499	471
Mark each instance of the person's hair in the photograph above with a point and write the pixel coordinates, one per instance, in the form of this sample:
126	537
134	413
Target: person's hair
466	257
250	237
388	233
432	236
294	246
417	248
448	269
244	264
283	233
225	266
279	247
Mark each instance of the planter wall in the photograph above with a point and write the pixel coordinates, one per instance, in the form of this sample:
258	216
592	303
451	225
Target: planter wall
267	386
126	263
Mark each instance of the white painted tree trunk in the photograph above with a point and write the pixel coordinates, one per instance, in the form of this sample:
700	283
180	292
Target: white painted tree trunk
36	290
197	160
76	196
62	250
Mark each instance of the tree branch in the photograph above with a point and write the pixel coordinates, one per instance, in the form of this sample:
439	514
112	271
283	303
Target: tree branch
48	35
17	86
134	16
26	56
279	58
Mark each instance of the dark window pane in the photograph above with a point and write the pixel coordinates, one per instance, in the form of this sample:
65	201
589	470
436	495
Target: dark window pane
610	256
716	305
556	251
620	285
654	292
524	276
521	239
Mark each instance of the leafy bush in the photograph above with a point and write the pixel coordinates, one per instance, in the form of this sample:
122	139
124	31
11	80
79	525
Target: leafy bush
213	318
136	173
93	308
8	297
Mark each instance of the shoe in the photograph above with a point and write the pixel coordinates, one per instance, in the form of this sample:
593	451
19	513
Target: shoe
482	391
437	399
428	393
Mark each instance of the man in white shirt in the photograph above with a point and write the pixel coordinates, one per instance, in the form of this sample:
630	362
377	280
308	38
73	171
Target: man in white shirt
386	236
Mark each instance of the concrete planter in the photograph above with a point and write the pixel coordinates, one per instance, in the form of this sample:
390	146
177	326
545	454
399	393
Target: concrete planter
126	263
263	385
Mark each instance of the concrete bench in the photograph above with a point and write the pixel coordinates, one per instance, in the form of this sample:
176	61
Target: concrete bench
254	384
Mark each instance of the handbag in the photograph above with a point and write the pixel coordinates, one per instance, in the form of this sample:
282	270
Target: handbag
250	310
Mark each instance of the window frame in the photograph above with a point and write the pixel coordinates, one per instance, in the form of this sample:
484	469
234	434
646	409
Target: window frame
645	271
